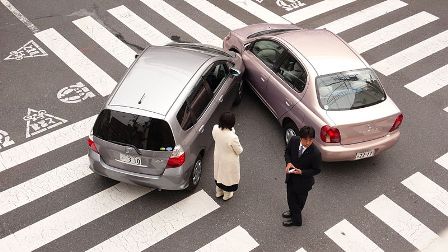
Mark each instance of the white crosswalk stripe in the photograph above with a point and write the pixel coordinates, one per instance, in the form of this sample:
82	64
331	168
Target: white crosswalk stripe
71	218
443	161
217	14
188	25
392	31
139	26
412	54
161	225
402	222
363	16
429	83
77	61
315	10
349	238
428	190
237	239
106	39
301	250
260	12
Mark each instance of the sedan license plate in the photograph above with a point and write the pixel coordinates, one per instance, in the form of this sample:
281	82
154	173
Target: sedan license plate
128	159
365	154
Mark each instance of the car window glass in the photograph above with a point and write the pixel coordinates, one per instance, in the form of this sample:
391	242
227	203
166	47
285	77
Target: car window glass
267	51
216	75
293	73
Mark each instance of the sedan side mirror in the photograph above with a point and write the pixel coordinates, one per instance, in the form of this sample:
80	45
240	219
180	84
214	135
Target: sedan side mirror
235	72
247	46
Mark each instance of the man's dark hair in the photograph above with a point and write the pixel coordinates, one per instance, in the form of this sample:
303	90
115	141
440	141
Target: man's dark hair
307	132
227	120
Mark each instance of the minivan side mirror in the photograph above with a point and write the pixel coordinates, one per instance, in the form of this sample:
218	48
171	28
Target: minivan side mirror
136	56
235	72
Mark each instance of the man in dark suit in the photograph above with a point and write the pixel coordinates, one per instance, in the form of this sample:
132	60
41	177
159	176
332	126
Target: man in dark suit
303	160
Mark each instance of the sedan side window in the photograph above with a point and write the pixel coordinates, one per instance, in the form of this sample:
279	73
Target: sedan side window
216	75
293	73
267	51
195	105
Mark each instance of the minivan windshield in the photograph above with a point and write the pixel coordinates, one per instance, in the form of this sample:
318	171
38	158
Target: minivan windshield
133	130
349	90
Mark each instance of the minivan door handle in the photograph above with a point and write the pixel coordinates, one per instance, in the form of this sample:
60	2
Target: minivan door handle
221	98
201	129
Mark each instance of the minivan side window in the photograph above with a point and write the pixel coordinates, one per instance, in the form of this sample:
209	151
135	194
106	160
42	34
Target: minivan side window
267	51
216	75
292	72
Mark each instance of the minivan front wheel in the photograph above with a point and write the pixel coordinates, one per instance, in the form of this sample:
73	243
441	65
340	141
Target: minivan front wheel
290	130
240	92
195	175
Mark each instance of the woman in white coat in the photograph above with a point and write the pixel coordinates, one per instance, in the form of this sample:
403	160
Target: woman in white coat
226	156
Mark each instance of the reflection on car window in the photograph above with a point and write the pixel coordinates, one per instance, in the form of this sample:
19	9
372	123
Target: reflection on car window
195	105
293	73
349	90
267	51
216	75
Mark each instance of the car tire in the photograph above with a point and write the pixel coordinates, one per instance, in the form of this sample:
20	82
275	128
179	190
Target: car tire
289	130
240	93
195	175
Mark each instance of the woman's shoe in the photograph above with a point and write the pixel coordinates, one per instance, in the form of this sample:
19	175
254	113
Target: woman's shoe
219	192
227	195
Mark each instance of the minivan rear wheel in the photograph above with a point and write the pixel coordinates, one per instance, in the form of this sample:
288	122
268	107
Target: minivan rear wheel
195	175
289	130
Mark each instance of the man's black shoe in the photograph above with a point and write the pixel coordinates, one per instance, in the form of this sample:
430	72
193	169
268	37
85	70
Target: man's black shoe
289	223
286	214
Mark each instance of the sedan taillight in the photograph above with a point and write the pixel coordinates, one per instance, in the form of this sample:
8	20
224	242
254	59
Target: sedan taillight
91	144
177	157
397	123
330	134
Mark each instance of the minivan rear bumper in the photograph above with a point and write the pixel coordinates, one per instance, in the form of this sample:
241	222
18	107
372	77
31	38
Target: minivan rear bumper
171	179
348	152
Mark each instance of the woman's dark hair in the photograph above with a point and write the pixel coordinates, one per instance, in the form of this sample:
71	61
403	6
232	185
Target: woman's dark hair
307	132
227	120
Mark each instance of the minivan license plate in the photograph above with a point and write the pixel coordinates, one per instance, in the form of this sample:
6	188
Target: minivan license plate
128	159
365	154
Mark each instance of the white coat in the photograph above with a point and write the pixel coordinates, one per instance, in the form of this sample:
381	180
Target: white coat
226	156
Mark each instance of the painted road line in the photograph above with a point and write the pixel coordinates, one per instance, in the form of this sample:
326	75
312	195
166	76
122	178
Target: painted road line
161	225
392	31
428	190
44	184
237	239
443	160
446	109
260	12
45	143
139	26
106	40
363	16
19	15
402	222
412	54
71	218
315	10
77	61
349	238
217	14
429	83
188	25
301	250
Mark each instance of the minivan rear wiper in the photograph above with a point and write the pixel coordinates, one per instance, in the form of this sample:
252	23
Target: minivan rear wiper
125	144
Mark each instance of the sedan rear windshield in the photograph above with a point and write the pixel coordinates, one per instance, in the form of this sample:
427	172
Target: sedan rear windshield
137	131
349	90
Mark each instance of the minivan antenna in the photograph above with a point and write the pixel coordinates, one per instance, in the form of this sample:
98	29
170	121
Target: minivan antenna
140	102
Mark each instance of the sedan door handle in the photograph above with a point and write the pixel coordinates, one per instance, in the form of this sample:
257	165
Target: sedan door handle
287	103
262	79
201	129
221	98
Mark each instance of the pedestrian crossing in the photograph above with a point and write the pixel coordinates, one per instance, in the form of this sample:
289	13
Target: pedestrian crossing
196	206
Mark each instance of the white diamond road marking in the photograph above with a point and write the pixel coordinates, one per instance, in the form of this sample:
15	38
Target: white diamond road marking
44	184
106	40
429	83
217	14
237	239
392	31
161	225
443	160
429	191
139	26
402	222
188	25
363	16
45	143
77	61
412	54
260	12
71	218
315	10
349	238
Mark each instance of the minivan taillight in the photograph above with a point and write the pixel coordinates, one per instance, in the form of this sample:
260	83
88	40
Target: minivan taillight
177	157
91	144
397	122
330	134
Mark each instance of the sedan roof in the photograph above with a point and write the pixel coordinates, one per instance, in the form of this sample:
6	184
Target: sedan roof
324	50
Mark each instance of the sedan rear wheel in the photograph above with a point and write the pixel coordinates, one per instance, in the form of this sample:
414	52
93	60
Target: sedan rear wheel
290	130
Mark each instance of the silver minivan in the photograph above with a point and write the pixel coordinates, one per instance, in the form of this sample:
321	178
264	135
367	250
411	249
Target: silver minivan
156	125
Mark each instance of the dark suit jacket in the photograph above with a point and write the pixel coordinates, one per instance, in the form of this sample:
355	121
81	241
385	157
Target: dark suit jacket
309	162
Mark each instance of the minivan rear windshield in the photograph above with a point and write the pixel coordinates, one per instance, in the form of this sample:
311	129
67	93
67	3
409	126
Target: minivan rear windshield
140	131
349	90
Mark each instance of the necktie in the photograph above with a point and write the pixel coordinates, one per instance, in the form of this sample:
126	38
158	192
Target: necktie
300	150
